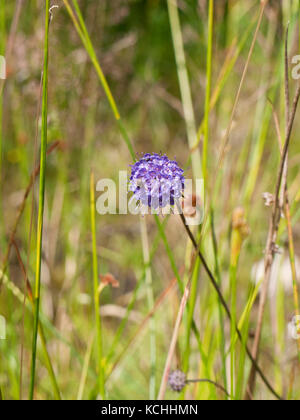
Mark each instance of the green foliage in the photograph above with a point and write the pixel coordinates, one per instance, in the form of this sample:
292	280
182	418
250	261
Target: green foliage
117	87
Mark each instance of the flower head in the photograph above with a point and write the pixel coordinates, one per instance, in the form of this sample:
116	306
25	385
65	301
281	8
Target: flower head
156	181
177	380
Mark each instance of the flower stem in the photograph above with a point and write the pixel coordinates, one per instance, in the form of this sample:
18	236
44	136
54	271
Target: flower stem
227	310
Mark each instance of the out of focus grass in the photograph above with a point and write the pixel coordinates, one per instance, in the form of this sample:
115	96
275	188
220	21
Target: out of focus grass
127	52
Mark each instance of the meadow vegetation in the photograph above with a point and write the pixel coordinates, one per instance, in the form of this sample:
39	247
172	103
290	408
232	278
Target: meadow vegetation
105	306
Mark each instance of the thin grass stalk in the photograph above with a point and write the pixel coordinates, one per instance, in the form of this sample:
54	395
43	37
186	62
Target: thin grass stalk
226	138
299	25
34	175
242	359
279	333
150	299
271	241
12	240
2	48
41	203
210	344
123	323
190	316
187	103
218	386
180	283
143	324
221	317
185	89
28	291
96	297
226	70
2	44
85	38
239	231
285	198
11	35
285	195
261	126
164	381
193	293
221	297
217	179
293	266
45	322
130	306
195	265
291	239
89	46
233	292
208	86
236	243
243	326
85	366
280	190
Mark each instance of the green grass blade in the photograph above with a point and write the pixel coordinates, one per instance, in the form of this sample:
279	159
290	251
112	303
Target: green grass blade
41	202
150	299
208	85
185	89
96	295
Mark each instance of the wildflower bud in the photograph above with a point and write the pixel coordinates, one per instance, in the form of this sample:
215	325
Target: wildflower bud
177	380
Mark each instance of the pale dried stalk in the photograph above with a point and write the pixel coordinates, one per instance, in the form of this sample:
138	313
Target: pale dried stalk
166	373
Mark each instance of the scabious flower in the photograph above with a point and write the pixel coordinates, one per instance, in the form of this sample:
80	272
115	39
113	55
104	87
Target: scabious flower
156	181
177	380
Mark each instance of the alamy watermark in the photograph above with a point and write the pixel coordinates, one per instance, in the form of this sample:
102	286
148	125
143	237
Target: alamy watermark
296	67
294	327
116	198
2	328
2	67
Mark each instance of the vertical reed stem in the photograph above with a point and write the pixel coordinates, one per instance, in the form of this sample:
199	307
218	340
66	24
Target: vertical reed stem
150	298
41	202
185	89
96	291
208	85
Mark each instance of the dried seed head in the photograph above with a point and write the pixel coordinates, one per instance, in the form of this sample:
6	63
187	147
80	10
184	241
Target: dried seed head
177	380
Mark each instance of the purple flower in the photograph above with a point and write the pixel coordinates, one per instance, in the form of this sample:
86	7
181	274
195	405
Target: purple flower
156	181
177	380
